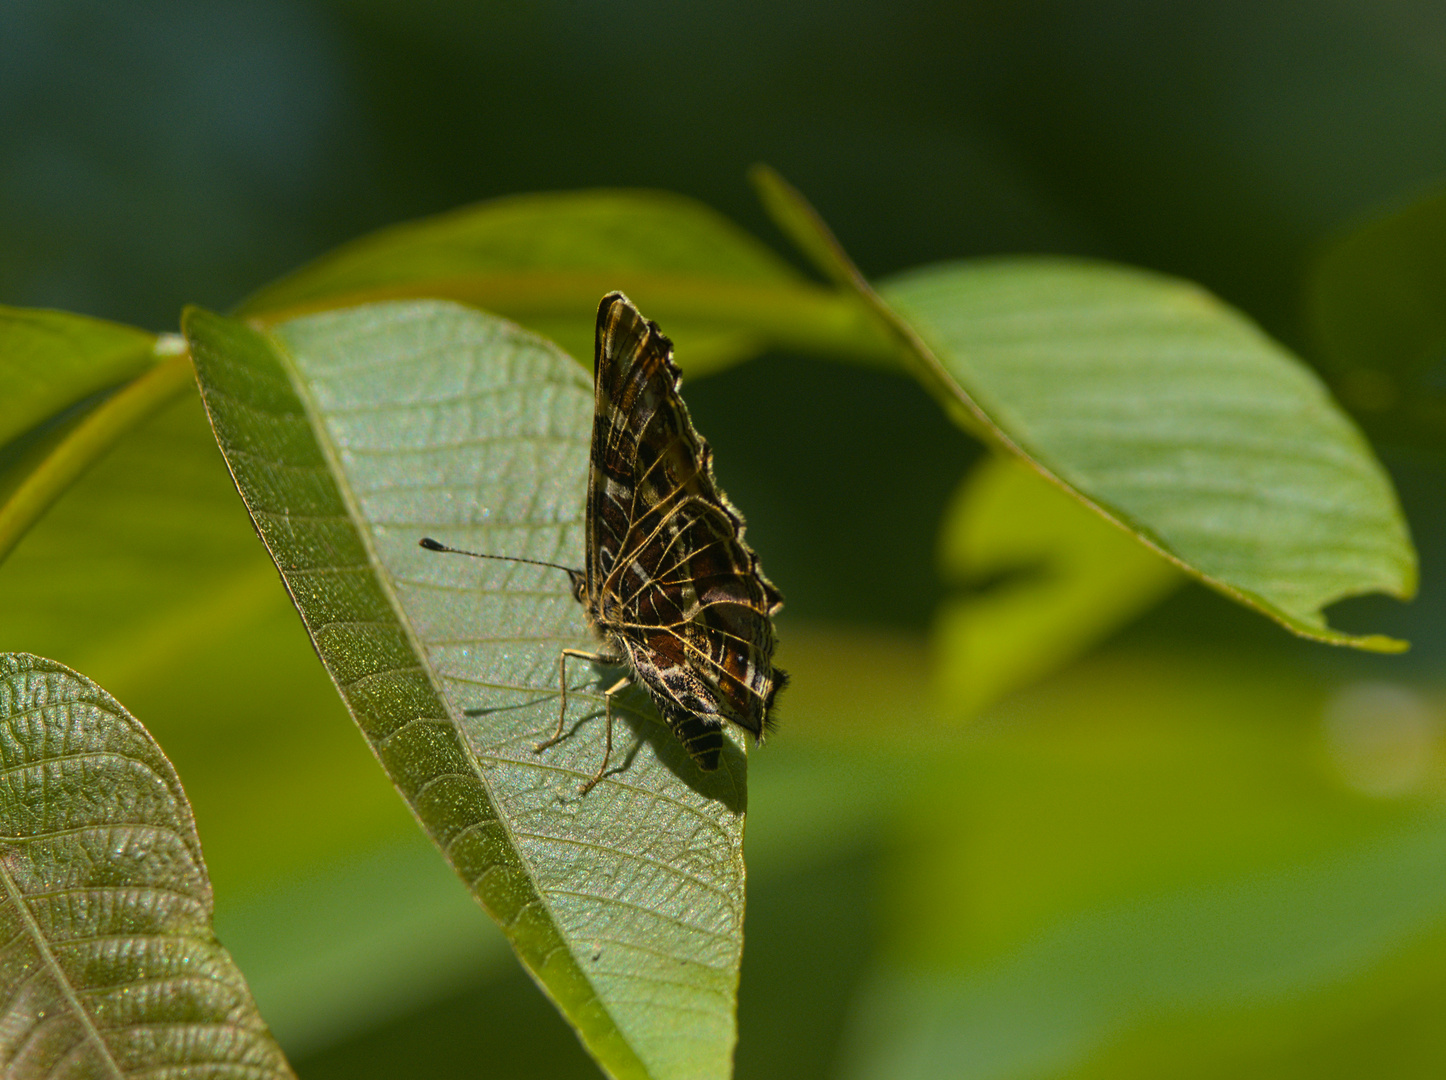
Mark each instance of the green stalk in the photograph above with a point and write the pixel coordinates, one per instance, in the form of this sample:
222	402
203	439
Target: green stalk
89	441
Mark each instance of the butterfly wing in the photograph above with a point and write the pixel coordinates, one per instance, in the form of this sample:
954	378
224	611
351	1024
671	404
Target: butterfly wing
670	577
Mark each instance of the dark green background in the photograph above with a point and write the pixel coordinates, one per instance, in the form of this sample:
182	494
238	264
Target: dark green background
153	154
160	152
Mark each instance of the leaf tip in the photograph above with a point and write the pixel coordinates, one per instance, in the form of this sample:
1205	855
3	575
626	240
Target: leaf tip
1377	643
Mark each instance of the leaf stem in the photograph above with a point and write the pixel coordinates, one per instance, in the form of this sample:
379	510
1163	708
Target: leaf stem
91	440
802	224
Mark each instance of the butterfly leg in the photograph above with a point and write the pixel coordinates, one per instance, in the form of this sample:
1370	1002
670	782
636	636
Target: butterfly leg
621	684
581	654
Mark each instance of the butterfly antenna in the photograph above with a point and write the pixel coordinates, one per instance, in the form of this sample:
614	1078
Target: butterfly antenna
436	545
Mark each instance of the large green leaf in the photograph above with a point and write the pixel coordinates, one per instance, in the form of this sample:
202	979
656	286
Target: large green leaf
545	259
1179	420
1069	578
112	968
1156	405
351	434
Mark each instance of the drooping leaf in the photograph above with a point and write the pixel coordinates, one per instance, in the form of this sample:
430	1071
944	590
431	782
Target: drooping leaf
1180	420
1376	300
544	260
1069	579
353	433
1159	407
112	969
50	360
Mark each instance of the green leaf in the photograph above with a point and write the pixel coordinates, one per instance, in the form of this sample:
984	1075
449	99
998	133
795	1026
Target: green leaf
544	260
353	433
1073	579
56	421
49	475
112	967
1157	406
149	576
1178	419
1376	301
52	359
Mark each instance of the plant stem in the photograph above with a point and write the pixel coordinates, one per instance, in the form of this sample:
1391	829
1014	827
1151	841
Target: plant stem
90	441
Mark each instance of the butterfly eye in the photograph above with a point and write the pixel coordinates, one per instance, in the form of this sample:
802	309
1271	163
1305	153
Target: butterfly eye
579	586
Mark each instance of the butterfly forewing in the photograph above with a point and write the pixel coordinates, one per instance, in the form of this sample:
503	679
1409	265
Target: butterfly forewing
671	585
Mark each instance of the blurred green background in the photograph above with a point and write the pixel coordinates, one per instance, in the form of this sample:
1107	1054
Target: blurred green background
1205	847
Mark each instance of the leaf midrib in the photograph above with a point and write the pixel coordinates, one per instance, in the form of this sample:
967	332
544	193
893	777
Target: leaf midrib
17	898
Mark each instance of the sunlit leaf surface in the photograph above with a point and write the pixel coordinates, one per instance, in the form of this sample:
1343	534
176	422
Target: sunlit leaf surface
353	433
112	968
149	577
1177	418
1156	404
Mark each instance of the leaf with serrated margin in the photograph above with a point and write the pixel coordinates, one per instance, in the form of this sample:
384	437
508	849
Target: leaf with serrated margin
350	435
544	260
1159	407
110	966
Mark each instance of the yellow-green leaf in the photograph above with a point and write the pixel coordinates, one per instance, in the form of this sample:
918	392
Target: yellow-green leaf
544	260
50	360
1069	578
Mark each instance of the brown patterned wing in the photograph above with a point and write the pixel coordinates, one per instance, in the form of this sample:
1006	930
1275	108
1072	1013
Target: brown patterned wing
670	580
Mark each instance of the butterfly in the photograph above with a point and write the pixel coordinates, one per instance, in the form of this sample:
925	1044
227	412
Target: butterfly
669	587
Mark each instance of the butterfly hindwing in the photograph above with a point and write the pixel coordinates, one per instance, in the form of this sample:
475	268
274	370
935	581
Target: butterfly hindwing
669	577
